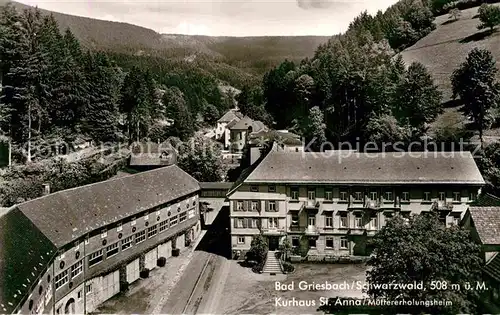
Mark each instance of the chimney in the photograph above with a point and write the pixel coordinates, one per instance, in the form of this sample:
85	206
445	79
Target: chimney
46	189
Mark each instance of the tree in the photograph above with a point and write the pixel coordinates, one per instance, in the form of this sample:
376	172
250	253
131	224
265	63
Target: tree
422	249
418	100
314	128
201	158
454	14
386	129
258	252
177	109
489	15
475	82
211	114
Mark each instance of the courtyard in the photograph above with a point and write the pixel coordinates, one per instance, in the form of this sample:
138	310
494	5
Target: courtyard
248	293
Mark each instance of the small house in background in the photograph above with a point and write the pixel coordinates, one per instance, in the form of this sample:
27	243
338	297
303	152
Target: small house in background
483	220
149	155
241	130
223	124
278	140
82	142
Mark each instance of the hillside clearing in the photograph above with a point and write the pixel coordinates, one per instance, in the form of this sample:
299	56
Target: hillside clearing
443	50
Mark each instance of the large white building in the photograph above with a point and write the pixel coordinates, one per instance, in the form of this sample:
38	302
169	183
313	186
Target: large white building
69	251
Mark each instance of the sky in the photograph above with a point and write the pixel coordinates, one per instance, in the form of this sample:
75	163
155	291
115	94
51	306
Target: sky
224	17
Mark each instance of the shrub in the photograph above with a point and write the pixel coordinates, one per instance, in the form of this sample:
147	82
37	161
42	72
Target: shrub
161	262
288	267
144	273
124	285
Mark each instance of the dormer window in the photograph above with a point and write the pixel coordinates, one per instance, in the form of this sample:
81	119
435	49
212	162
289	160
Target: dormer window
254	188
272	188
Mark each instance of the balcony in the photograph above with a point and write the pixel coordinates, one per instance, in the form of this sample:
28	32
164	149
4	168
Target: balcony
311	230
373	204
273	231
442	205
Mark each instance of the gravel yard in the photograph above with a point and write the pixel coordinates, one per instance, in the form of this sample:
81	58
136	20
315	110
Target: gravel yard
248	293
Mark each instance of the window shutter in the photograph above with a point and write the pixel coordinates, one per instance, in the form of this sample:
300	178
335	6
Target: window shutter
235	205
245	205
259	224
245	223
277	205
267	205
258	205
235	222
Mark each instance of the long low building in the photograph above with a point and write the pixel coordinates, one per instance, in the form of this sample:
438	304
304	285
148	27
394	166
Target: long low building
69	251
330	204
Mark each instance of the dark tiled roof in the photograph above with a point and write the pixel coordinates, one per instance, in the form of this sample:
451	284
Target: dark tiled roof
24	253
67	215
486	200
492	268
230	115
232	123
246	122
367	168
216	185
487	223
280	137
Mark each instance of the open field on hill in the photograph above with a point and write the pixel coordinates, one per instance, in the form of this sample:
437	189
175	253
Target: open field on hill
443	50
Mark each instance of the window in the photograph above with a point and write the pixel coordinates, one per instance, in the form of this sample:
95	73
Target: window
456	197
182	217
273	223
254	223
241	240
329	220
405	196
344	243
329	195
112	250
95	257
295	218
254	206
456	221
119	227
295	241
152	231
163	226
240	135
373	195
311	221
329	242
358	196
427	196
272	205
472	196
239	205
295	194
239	223
373	223
358	222
389	196
254	188
79	294
88	288
441	196
126	243
61	279
311	195
104	233
76	269
343	221
343	196
173	220
312	242
140	237
272	188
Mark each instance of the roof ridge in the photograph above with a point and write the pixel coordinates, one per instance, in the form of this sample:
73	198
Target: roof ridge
96	183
